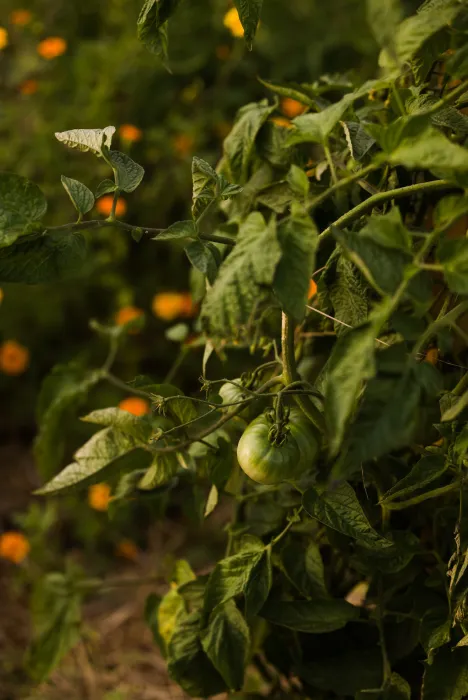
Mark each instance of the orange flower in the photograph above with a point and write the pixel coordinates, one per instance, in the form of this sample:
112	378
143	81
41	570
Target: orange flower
14	546
223	52
28	87
51	47
127	314
3	38
170	305
104	205
432	356
135	405
20	17
183	144
233	23
130	132
127	549
312	289
292	108
99	496
14	358
281	121
1	295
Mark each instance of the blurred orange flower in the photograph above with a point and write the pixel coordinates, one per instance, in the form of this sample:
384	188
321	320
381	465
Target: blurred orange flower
1	295
135	405
292	108
20	17
126	314
183	144
223	52
104	205
130	132
28	87
170	305
51	47
282	121
233	23
99	496
14	546
432	356
312	289
127	549
14	358
3	38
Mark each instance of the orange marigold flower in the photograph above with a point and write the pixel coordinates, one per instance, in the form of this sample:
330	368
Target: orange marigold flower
14	546
99	496
51	47
28	87
292	108
127	314
432	356
130	132
233	23
135	405
127	549
183	144
20	17
3	38
282	122
312	289
14	358
170	305
104	205
223	52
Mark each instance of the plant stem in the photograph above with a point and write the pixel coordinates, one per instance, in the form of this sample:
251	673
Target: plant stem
342	184
382	197
461	386
331	164
448	98
114	205
125	387
291	374
284	532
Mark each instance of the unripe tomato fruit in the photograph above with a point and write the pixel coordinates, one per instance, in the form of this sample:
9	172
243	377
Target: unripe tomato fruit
231	394
262	460
307	438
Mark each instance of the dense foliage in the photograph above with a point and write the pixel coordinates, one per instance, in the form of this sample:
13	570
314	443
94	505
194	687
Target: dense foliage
332	249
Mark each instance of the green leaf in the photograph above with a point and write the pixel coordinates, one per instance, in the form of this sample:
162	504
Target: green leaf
388	231
62	394
304	568
181	229
87	139
449	210
187	663
429	468
204	185
127	173
81	196
105	187
259	585
22	205
202	258
178	333
211	501
351	363
348	295
457	65
169	609
435	630
249	15
230	577
339	509
298	181
101	451
138	427
51	258
152	25
311	616
301	93
162	469
240	143
344	673
243	277
226	643
453	254
384	16
316	128
298	238
456	408
358	140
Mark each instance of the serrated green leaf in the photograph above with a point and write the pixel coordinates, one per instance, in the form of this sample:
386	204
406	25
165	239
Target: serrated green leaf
339	509
202	258
249	15
204	185
300	93
81	196
358	140
243	277
152	25
138	427
240	143
162	469
453	254
384	17
259	585
310	616
298	181
181	229
348	295
22	205
226	643
388	231
457	65
230	577
298	238
304	568
87	139
127	173
429	468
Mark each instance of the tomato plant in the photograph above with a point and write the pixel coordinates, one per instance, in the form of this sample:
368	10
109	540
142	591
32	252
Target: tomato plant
362	464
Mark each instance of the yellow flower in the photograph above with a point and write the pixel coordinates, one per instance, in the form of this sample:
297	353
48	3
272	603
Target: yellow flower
20	17
233	23
127	314
99	496
170	305
28	87
3	38
104	205
130	132
135	405
127	549
14	546
292	108
312	289
51	47
14	358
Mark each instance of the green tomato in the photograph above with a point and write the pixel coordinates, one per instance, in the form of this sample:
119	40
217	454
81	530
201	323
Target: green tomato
262	460
306	436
